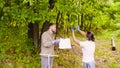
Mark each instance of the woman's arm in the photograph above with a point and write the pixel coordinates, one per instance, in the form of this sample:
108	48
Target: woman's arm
83	33
74	38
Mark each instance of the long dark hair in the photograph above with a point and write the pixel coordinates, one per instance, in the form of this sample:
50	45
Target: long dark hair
45	27
90	36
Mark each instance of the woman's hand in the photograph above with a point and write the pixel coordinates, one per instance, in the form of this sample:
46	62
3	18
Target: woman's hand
72	29
78	28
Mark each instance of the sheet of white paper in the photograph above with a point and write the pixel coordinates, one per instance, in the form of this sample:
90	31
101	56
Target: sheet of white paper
65	43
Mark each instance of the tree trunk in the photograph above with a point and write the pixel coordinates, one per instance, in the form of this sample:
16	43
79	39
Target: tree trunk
81	21
67	25
57	24
36	33
78	20
30	31
33	32
51	3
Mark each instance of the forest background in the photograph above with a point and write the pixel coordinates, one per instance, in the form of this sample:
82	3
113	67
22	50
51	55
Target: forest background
21	23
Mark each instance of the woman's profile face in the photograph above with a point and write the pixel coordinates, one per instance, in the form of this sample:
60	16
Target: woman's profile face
53	28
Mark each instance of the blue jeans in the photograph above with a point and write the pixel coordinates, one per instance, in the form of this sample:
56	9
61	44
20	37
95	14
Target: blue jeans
89	64
46	62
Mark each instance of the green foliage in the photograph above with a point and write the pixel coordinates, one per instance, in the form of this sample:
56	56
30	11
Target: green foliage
16	50
95	13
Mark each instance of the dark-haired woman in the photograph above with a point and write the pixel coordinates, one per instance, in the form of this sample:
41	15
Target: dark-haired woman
88	48
47	45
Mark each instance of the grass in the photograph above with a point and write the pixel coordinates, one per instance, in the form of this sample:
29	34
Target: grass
106	58
108	34
19	55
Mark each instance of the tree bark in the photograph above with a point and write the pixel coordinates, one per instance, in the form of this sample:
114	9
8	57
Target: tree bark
78	20
36	33
57	24
33	32
82	21
51	3
30	31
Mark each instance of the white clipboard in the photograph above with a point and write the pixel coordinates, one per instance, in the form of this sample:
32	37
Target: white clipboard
65	43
